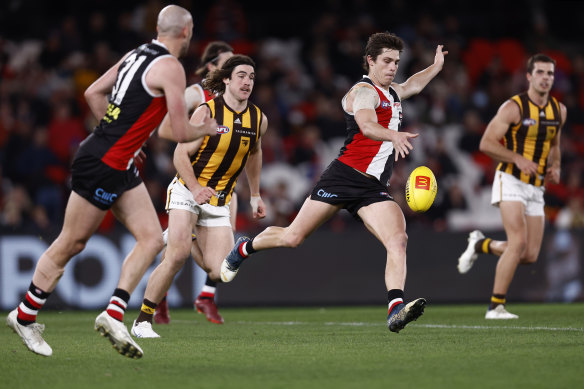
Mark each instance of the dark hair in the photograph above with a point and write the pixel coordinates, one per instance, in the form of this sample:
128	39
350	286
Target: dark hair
211	55
538	58
214	80
379	41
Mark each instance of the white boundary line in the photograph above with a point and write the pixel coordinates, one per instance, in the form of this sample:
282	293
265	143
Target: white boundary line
443	326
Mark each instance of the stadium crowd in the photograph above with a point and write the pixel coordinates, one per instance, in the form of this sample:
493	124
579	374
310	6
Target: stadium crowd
305	66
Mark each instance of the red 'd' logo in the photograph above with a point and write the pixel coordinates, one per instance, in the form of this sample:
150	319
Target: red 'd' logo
422	182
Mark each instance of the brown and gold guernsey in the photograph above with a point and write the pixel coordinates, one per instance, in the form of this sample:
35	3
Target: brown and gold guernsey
532	136
221	158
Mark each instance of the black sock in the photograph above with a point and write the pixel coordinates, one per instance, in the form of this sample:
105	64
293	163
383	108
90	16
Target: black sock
394	298
118	304
31	304
249	248
483	246
147	311
497	299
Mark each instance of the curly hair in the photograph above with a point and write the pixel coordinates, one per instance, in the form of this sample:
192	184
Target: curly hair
214	80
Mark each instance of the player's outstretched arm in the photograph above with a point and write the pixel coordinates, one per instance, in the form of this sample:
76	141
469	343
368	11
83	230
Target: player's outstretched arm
417	82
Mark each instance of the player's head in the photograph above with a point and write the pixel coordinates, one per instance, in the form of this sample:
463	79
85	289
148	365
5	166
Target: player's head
175	22
238	69
214	56
541	73
379	43
539	58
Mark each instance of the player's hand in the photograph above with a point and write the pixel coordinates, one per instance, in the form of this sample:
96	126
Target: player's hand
140	158
203	194
552	175
439	57
401	143
209	126
258	207
526	166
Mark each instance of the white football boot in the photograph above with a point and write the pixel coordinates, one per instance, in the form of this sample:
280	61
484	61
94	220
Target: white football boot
31	334
117	333
469	256
143	329
500	313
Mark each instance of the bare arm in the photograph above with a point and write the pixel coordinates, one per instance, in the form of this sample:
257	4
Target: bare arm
96	93
182	162
507	115
555	157
253	169
417	82
168	76
363	100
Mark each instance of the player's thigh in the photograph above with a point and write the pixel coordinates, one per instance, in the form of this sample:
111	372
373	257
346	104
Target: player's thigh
385	220
135	210
514	221
81	217
233	210
215	243
312	215
180	229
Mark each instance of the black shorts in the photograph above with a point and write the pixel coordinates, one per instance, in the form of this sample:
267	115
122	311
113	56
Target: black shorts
342	185
98	183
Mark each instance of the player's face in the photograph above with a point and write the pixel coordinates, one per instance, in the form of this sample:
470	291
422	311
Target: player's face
384	68
541	79
241	82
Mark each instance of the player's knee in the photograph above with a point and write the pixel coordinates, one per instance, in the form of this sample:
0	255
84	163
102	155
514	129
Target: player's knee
519	247
153	243
292	240
398	241
530	257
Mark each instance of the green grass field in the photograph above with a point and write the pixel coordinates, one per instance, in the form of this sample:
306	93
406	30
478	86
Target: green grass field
338	347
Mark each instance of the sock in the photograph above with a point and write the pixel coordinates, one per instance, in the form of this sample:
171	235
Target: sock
483	246
497	299
208	290
29	308
147	311
246	249
395	297
118	304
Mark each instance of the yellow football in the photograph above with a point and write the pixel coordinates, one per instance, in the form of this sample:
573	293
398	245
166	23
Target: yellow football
421	189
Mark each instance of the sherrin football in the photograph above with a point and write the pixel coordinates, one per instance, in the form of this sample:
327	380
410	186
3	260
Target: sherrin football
421	189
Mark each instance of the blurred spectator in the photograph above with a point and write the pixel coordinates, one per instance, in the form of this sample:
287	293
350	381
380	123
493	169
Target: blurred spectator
303	73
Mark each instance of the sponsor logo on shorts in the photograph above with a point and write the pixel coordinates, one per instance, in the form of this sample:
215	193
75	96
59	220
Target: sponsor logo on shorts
384	194
104	197
326	195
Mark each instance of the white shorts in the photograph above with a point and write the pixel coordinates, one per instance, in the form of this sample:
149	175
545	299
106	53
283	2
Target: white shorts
179	197
509	188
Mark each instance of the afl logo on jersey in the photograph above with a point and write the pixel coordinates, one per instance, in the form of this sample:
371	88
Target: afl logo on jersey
222	130
529	122
385	104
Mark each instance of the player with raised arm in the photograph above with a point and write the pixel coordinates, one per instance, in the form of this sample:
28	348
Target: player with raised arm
358	179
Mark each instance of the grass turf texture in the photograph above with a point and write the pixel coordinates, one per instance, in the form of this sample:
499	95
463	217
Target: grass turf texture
335	347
